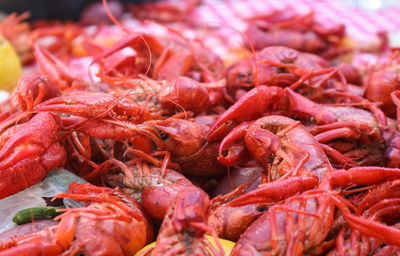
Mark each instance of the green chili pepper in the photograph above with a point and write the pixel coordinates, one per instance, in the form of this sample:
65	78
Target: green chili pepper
35	213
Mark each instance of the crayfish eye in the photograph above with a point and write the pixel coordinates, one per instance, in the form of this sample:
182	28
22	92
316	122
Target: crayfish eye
281	70
225	152
240	77
163	135
262	208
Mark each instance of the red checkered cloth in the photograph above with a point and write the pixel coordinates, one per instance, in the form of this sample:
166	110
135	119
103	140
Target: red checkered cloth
362	24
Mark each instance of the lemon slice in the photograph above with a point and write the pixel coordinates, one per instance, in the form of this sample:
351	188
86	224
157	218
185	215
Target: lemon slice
226	245
10	65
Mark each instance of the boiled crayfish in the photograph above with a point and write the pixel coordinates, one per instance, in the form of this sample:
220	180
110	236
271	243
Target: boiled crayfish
285	152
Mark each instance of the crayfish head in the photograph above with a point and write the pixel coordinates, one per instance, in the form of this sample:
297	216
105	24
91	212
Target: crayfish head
240	74
183	93
33	87
262	145
178	136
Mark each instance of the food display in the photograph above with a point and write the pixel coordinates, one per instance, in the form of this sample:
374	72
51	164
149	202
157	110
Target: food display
126	133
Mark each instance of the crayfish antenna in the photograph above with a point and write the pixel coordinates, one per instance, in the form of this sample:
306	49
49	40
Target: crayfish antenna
116	22
90	193
112	17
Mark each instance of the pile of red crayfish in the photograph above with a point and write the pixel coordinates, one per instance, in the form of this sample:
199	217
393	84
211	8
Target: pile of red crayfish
288	146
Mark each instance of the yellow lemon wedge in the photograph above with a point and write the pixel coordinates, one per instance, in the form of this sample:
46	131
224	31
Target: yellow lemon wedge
10	65
226	245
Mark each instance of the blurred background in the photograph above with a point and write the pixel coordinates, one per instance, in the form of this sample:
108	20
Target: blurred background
71	9
363	19
53	9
